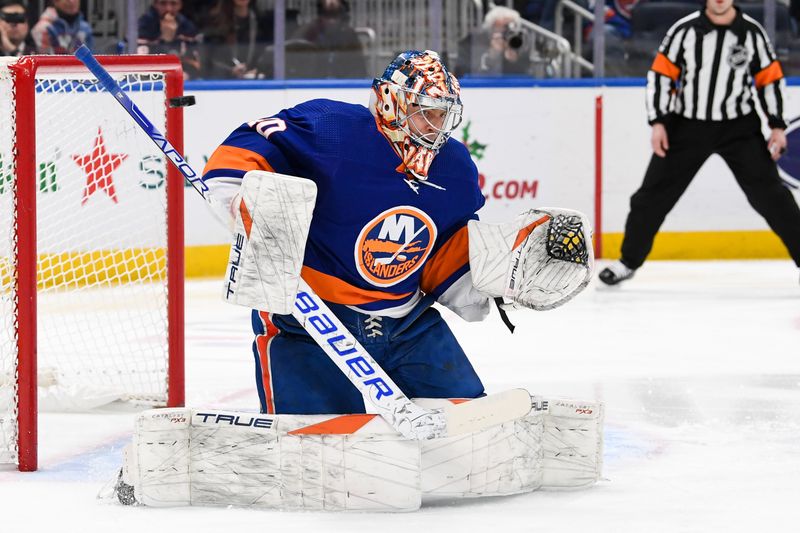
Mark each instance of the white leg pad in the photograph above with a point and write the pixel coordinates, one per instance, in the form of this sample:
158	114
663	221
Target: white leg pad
573	443
208	457
354	462
501	460
558	445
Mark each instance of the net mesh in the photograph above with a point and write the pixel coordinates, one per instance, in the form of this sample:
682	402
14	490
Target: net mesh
8	295
101	243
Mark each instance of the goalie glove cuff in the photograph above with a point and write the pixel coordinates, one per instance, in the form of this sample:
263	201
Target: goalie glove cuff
465	300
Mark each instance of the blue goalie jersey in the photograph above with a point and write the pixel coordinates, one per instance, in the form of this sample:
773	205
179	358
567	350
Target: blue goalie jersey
374	243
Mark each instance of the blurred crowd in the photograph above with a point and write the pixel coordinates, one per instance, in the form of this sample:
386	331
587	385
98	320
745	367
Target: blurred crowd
215	39
233	39
633	30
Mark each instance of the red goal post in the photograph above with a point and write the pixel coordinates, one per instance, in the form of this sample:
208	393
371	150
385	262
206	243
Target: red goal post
91	265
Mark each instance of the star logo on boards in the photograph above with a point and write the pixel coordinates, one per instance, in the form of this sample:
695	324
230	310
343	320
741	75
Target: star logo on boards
99	166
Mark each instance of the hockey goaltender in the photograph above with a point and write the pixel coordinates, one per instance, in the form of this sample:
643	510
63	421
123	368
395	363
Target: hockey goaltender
348	224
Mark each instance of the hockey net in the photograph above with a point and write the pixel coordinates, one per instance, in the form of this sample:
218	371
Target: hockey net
91	240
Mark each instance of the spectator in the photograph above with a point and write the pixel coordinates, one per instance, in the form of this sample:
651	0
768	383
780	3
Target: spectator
338	49
164	30
618	35
617	17
62	29
541	12
198	11
234	39
15	37
499	47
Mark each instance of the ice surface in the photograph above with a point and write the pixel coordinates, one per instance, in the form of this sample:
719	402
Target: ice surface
698	363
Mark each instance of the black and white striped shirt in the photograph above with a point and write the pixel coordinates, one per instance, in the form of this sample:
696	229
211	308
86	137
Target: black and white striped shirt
707	72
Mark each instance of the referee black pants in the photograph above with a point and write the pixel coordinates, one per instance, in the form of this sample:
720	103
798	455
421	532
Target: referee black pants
691	142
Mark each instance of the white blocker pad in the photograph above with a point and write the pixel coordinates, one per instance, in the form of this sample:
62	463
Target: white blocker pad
540	260
270	231
354	462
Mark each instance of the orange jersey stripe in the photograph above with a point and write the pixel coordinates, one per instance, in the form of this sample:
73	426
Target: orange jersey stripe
333	289
450	257
771	74
236	158
664	66
341	425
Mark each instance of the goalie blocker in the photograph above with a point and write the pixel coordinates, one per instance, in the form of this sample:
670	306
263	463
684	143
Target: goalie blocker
352	462
271	222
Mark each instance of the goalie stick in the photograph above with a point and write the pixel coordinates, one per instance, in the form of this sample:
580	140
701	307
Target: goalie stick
380	393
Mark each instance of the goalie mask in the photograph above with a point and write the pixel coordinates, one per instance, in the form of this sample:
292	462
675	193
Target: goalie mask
417	105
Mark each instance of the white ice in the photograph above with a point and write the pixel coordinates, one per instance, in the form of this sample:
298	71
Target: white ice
698	364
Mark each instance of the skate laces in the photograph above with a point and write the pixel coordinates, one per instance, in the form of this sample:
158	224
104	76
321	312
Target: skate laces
374	326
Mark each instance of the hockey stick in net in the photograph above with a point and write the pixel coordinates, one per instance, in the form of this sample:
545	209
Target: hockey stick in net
377	388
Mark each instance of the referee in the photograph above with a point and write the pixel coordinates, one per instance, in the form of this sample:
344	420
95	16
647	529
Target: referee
700	101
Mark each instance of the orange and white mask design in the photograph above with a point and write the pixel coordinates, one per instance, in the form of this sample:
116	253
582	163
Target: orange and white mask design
417	106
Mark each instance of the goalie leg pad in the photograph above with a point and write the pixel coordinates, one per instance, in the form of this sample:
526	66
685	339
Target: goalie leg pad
273	215
208	457
353	462
540	260
558	445
498	461
572	443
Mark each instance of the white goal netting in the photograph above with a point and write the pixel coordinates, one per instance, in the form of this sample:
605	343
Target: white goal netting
101	238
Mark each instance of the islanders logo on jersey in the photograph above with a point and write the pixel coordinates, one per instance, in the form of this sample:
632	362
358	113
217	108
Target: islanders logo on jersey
394	245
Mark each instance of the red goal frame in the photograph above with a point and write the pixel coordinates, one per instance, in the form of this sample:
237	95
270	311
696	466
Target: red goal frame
24	72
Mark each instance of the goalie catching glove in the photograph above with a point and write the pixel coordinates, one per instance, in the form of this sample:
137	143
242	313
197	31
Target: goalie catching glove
540	260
